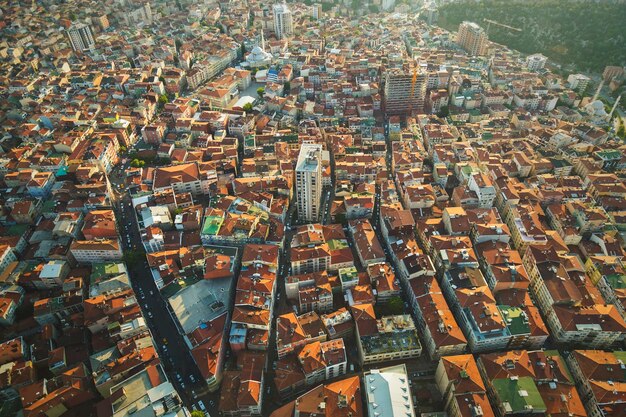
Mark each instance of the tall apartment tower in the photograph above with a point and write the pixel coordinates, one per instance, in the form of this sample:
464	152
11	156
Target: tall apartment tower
81	37
316	11
309	182
283	21
472	38
401	97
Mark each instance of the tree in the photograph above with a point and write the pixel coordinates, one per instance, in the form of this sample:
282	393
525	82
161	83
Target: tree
260	91
443	112
243	49
247	107
163	100
133	257
137	163
287	87
197	413
621	131
395	306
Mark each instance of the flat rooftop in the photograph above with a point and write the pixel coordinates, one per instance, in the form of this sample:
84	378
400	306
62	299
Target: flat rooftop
201	302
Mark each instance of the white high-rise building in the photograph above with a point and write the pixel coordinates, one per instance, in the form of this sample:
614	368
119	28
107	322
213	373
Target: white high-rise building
283	21
316	11
536	62
81	37
309	182
472	38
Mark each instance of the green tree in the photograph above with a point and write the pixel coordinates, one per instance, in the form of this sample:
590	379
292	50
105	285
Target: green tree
197	413
260	91
243	49
621	131
163	99
137	163
287	87
443	112
395	306
133	257
247	107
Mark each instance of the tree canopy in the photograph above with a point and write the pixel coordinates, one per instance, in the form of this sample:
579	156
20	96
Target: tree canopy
590	36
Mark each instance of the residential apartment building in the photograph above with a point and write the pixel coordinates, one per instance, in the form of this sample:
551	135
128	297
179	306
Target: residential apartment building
81	37
90	251
442	334
385	339
309	182
461	387
183	178
521	382
599	376
322	361
472	38
283	21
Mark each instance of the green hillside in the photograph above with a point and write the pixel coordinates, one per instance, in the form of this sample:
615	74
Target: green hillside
589	35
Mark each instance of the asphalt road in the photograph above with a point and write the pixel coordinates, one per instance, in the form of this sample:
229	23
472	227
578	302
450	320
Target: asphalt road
175	356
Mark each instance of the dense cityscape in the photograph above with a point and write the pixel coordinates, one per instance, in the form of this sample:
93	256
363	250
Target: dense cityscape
242	208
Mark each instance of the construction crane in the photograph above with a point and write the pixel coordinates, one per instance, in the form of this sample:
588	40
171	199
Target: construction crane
490	22
412	91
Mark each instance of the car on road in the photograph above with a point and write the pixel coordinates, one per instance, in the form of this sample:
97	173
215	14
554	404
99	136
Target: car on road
212	403
201	405
192	379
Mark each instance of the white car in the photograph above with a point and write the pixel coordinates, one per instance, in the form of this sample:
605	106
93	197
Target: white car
201	405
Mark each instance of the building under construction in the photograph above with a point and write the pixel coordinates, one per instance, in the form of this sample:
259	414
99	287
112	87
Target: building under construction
405	90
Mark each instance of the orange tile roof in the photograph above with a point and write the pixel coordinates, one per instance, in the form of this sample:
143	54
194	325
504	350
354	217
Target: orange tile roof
462	372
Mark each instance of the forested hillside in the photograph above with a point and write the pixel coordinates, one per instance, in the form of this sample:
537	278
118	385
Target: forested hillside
589	35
